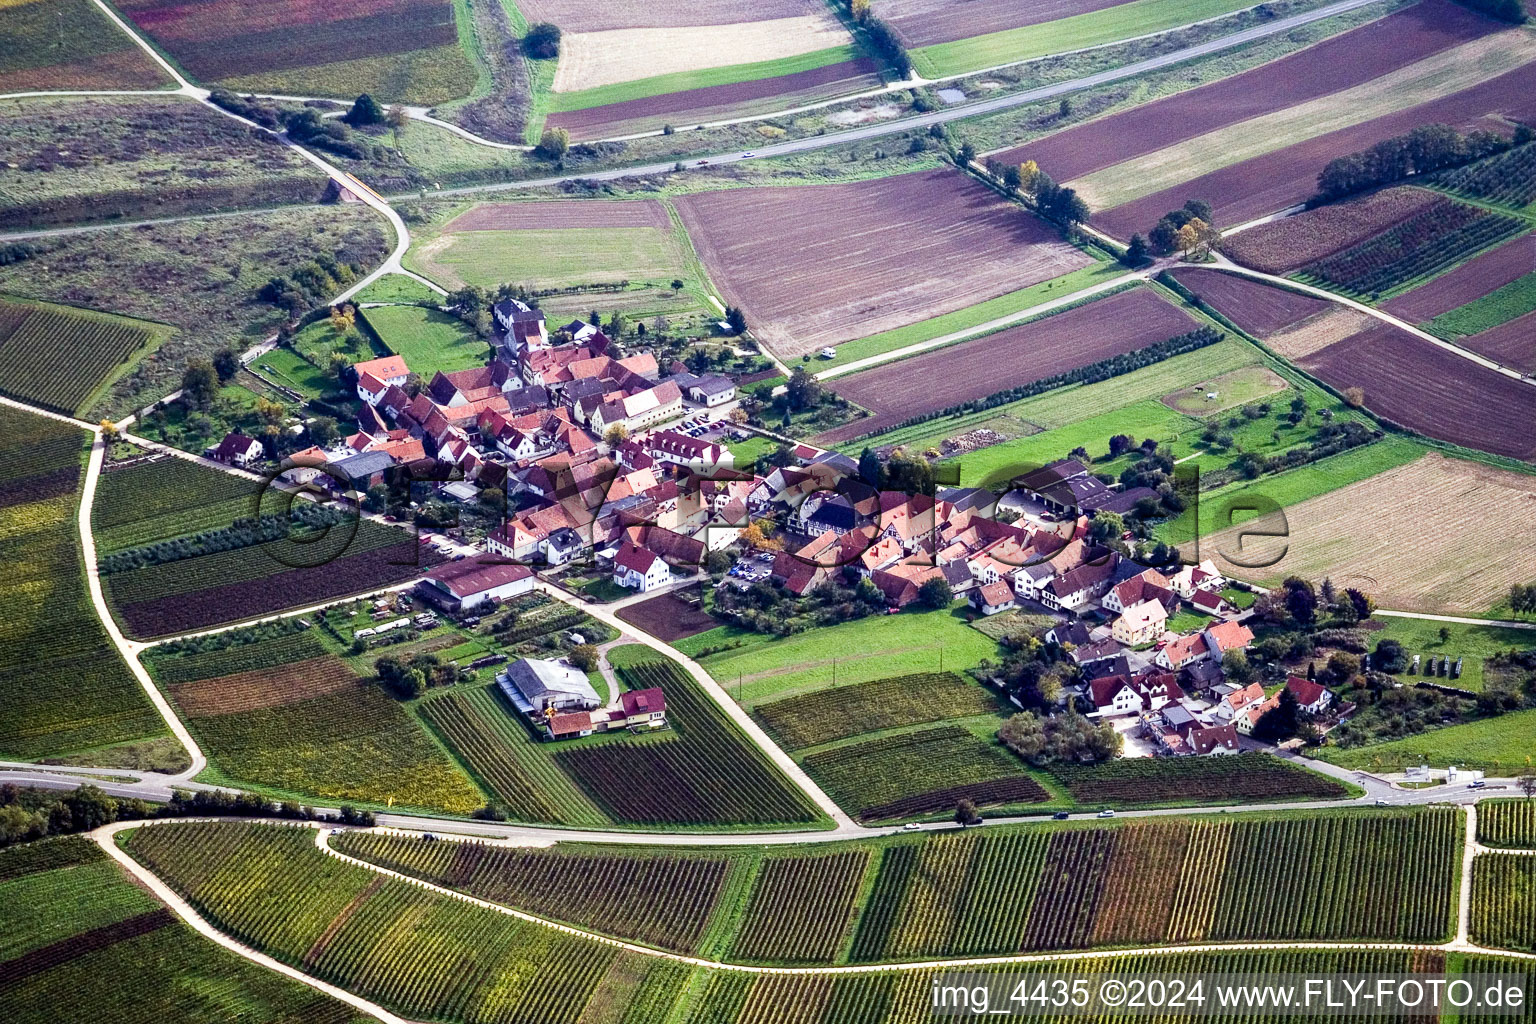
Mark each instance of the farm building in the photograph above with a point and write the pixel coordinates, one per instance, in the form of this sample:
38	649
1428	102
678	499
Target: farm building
535	686
461	586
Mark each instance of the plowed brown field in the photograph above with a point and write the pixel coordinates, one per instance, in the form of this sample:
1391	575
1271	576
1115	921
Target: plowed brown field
816	265
1282	246
561	213
264	688
1423	387
1472	280
1411	537
1258	308
1347	60
897	391
1286	177
925	22
1512	343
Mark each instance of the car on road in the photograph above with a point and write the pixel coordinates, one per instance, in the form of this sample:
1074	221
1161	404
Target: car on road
1381	803
1476	784
911	826
1106	814
748	155
1059	816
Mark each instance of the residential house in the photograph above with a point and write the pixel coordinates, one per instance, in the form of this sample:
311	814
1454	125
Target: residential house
1075	590
1196	577
640	568
1311	696
991	598
238	450
1142	623
709	390
703	458
1249	717
376	376
644	708
1210	602
1119	695
1231	705
1213	741
1147	585
639	410
522	325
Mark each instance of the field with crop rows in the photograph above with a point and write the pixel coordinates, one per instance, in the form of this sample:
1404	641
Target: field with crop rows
1258	308
241	583
1504	901
800	908
397	50
63	688
1509	823
1290	243
144	502
1319	876
1508	179
898	241
1435	239
701	771
276	714
58	357
656	898
489	738
841	712
1143	780
81	936
1500	306
270	887
921	773
93	54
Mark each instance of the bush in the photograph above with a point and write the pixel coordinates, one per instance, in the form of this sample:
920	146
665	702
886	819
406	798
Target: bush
542	41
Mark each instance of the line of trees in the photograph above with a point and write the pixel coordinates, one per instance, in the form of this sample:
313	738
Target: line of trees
881	37
1056	203
1430	147
1102	370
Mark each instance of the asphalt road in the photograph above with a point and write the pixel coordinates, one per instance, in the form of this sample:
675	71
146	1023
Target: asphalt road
954	113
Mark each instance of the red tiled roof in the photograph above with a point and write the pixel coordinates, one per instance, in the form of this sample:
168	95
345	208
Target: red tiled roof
385	368
643	702
1307	691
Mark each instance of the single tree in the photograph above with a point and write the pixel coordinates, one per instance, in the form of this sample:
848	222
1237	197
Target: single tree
1137	252
1527	784
542	41
554	143
584	657
616	435
935	593
226	363
365	110
199	383
965	813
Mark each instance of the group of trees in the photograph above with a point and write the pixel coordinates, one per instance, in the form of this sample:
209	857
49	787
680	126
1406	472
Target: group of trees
542	41
1054	202
406	679
1067	738
881	37
1189	229
1430	147
1522	598
766	608
310	284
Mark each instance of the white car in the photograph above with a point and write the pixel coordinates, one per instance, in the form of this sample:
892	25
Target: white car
748	155
911	826
1106	814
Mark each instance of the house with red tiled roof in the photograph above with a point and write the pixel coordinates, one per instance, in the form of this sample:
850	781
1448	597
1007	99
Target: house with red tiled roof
1148	585
1230	706
238	450
640	568
1141	623
1311	696
1222	637
1077	588
375	376
1213	741
1120	695
1181	651
1196	577
1210	602
994	597
1249	717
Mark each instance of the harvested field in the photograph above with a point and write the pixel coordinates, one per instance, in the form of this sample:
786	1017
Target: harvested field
1472	280
1423	387
1423	82
264	687
589	60
1512	343
561	213
937	380
93	54
906	248
333	48
1342	62
707	103
669	616
1403	536
1316	333
1282	246
597	15
1258	308
926	22
1285	177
